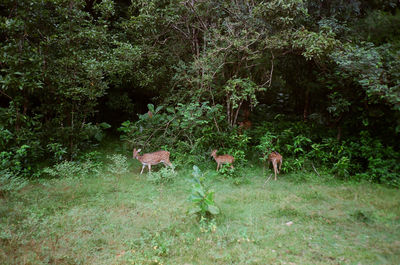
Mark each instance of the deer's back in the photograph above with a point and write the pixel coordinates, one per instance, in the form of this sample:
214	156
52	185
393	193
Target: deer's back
274	156
155	157
225	159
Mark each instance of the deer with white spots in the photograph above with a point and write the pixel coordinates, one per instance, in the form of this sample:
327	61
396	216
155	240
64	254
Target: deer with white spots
276	159
222	159
150	159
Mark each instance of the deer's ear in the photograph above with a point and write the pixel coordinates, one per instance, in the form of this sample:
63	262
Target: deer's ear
139	150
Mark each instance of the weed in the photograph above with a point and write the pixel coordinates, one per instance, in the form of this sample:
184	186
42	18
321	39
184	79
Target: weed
201	196
164	175
227	172
10	183
65	169
119	165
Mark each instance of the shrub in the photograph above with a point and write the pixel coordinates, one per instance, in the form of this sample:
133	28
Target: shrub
266	144
191	130
303	147
17	160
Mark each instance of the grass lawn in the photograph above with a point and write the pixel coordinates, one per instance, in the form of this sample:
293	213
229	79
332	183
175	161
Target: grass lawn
127	219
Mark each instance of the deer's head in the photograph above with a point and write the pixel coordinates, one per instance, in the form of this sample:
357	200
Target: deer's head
214	153
136	152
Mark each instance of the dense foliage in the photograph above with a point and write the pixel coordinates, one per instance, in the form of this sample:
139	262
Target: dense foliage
318	81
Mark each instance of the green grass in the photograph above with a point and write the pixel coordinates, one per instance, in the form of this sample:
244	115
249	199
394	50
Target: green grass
126	219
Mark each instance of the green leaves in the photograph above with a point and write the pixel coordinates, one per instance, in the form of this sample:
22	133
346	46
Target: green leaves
239	90
315	45
373	68
213	209
201	197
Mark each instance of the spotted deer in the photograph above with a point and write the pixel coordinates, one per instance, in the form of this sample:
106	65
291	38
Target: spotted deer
276	159
150	159
223	159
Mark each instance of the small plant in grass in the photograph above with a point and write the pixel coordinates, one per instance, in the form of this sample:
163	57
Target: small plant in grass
164	175
150	248
201	196
207	225
10	183
58	150
233	174
227	172
92	161
119	165
67	169
293	164
341	167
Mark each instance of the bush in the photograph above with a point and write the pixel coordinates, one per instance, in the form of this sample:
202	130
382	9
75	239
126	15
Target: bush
30	142
191	130
17	160
359	158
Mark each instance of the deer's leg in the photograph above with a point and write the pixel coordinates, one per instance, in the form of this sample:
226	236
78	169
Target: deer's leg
172	166
168	163
275	168
217	166
149	168
142	168
232	166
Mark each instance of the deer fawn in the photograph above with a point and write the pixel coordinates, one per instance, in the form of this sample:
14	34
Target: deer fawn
276	159
152	158
244	125
224	159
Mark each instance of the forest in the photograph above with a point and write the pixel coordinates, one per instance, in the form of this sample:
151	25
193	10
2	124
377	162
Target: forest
84	82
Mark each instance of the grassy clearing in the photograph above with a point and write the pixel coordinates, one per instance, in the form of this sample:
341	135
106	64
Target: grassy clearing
104	219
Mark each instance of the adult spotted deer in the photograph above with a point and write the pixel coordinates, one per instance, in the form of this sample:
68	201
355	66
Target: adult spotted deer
150	159
276	159
223	159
